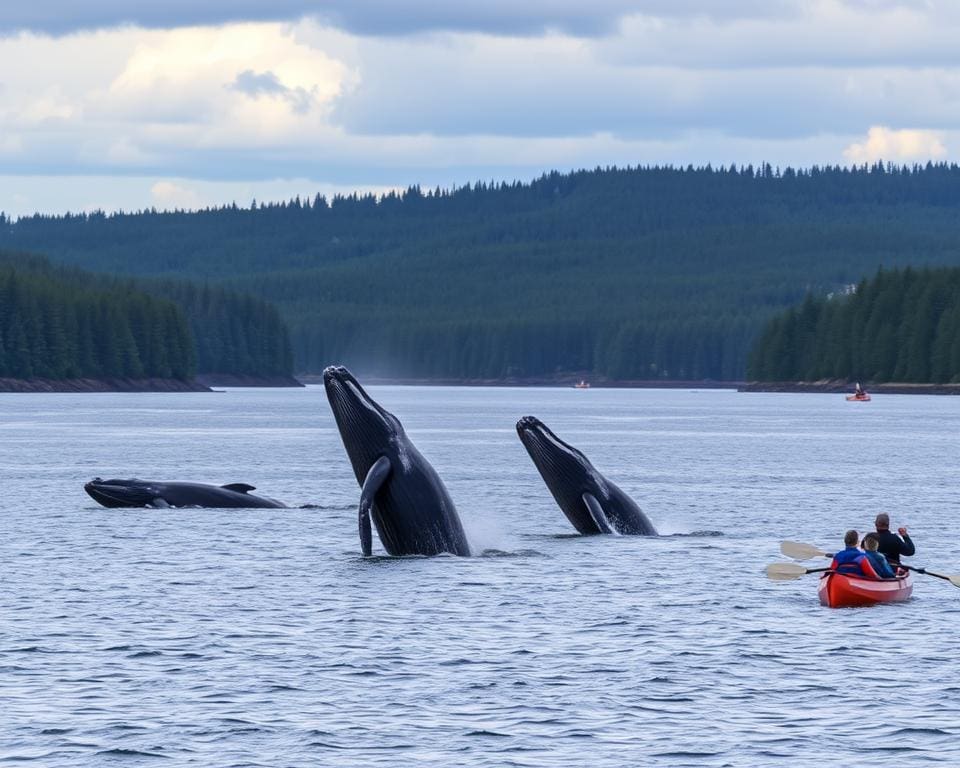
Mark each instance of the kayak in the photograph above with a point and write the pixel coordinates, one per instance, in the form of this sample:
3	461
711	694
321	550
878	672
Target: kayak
863	398
841	590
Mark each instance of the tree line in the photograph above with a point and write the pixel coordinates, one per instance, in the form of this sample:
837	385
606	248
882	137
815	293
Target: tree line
232	332
62	323
629	273
899	326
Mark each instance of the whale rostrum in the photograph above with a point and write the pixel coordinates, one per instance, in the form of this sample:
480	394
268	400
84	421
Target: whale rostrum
400	492
591	502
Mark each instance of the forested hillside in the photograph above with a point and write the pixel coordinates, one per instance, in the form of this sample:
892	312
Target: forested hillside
899	326
630	273
59	322
233	333
64	324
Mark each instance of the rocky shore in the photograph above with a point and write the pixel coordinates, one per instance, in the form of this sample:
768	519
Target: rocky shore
237	380
534	381
838	385
101	385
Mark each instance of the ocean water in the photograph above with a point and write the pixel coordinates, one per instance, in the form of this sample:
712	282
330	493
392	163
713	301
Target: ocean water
262	638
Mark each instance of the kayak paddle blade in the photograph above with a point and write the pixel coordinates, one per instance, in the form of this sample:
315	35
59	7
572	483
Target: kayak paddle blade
785	571
955	580
800	551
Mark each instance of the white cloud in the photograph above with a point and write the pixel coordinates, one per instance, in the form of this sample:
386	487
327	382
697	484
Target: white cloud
189	76
23	195
168	195
211	108
905	145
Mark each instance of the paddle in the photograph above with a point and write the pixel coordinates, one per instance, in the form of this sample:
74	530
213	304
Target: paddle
955	580
789	571
800	551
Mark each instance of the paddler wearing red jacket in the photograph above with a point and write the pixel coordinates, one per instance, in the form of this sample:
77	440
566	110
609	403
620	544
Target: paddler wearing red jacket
852	560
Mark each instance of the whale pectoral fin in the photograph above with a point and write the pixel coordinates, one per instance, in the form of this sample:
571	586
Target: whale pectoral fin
596	512
371	484
159	503
239	487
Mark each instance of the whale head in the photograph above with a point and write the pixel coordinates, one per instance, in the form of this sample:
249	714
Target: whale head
557	461
368	430
122	493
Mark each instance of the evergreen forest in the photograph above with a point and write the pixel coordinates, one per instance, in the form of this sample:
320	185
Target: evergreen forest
63	324
59	322
233	333
627	273
899	326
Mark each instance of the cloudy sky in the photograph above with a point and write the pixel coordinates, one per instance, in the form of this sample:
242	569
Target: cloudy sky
186	103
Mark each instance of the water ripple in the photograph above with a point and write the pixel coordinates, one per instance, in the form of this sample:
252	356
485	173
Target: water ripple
262	638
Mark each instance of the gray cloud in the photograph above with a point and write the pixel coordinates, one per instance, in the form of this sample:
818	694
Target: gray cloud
377	17
692	81
59	17
561	88
255	84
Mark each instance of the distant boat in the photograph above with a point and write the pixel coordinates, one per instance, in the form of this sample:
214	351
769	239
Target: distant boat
860	396
582	384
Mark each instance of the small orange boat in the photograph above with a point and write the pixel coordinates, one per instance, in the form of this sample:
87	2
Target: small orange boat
842	590
862	398
582	384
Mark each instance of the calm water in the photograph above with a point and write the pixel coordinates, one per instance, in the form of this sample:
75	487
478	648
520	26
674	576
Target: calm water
262	638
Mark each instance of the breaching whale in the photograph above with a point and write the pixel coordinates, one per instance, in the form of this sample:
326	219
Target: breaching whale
400	490
591	502
147	493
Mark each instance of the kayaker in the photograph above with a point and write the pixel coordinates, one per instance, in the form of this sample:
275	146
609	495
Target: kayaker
878	561
852	560
892	546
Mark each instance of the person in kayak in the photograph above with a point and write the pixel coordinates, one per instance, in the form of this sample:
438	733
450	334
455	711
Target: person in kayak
892	546
878	561
851	560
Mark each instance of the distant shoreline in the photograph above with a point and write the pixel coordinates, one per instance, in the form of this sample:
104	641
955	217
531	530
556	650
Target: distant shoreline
206	383
826	386
534	381
835	387
202	383
245	380
101	385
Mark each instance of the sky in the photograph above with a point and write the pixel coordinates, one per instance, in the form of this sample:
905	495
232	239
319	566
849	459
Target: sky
183	104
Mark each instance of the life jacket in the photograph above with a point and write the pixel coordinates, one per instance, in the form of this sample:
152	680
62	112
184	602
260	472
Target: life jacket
853	561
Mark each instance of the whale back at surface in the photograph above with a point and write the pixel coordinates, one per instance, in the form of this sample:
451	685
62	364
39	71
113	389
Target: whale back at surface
143	493
568	475
412	511
201	495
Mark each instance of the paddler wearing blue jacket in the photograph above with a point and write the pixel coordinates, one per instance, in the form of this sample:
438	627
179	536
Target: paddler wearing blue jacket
851	560
870	544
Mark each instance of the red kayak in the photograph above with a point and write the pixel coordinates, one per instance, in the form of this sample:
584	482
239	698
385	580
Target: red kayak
841	590
864	398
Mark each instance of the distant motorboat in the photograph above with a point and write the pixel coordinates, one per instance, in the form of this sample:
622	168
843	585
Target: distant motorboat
582	384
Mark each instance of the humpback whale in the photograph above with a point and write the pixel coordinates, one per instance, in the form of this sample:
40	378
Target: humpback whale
147	493
400	491
591	502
